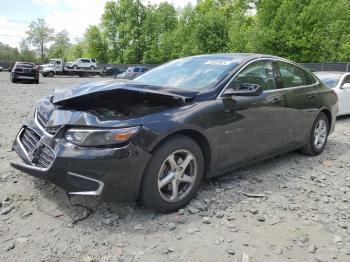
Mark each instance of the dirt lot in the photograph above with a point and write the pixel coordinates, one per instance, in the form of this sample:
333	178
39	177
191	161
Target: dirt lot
303	214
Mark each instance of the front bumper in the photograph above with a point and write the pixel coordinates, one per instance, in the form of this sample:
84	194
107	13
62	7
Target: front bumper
112	173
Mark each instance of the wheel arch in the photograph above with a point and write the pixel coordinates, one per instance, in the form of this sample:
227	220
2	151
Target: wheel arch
328	114
199	138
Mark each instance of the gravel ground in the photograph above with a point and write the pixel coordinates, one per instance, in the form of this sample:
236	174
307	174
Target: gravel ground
300	211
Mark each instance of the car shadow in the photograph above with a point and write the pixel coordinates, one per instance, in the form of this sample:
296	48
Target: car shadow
220	194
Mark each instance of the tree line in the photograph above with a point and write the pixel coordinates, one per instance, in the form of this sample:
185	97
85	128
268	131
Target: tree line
132	32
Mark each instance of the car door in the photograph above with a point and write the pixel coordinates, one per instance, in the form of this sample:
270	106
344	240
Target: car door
301	102
57	65
344	96
251	126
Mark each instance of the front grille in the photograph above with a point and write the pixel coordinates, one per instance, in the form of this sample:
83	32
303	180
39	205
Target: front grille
44	157
39	154
29	139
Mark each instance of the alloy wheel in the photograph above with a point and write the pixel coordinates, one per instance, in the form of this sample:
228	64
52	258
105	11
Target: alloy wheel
177	175
320	134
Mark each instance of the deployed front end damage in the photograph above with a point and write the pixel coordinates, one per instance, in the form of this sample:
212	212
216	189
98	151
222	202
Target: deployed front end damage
83	141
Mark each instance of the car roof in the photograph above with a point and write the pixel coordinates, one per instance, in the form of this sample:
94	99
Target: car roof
242	56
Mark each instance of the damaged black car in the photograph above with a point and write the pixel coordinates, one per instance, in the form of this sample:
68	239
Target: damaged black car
155	138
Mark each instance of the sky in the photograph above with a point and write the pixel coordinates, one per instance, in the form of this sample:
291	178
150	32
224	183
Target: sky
72	15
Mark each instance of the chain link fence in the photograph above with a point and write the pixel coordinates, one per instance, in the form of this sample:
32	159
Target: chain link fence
342	67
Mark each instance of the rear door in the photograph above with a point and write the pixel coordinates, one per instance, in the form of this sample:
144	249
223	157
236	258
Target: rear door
251	126
301	102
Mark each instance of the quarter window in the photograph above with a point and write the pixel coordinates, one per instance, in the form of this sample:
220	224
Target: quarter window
293	76
258	73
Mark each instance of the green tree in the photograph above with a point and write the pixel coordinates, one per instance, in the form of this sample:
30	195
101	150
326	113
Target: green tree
25	53
157	27
122	23
39	34
96	45
77	50
60	46
8	53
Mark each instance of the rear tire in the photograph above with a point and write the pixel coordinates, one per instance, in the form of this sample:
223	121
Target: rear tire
318	136
75	67
165	186
92	68
13	80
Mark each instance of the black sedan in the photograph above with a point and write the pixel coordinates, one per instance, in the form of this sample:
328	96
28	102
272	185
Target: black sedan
155	138
24	71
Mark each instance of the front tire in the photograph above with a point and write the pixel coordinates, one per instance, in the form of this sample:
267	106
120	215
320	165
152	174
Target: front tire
75	67
51	74
318	136
173	175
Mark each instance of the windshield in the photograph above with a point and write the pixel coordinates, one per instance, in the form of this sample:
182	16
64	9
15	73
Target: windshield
330	80
195	73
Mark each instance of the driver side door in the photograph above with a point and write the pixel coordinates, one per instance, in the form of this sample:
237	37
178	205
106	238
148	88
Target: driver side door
251	125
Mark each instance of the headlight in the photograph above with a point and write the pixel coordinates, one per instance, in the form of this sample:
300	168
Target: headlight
100	137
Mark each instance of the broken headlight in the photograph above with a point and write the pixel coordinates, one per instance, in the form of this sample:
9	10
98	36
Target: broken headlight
100	137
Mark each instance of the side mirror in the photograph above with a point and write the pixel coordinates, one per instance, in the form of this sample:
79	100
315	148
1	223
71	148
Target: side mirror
244	90
346	86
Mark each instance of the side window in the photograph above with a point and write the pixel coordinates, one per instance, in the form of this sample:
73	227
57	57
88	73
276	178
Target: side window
258	73
346	80
293	76
85	60
58	62
136	69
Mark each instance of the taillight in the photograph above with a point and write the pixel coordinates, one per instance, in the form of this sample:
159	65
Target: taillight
37	68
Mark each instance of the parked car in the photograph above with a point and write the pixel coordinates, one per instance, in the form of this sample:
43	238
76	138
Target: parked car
111	71
135	71
340	82
82	63
1	68
121	76
24	71
155	138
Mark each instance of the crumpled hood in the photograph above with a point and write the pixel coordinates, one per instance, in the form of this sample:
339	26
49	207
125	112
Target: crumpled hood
109	86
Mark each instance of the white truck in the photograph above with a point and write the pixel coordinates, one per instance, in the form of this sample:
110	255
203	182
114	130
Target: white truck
58	67
84	63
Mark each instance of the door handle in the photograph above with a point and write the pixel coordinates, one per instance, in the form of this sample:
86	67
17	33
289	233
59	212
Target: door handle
311	95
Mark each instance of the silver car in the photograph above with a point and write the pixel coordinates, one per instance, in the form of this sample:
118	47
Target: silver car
340	82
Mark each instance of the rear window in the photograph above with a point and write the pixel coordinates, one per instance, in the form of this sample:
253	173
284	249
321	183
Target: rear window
25	65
